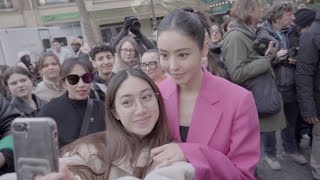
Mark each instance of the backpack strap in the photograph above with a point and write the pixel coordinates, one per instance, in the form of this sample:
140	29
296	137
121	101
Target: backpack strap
87	118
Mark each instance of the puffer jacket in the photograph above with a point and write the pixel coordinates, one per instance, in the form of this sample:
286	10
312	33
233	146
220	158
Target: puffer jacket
308	71
284	72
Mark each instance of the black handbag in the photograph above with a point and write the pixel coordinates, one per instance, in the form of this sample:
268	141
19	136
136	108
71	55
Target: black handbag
266	94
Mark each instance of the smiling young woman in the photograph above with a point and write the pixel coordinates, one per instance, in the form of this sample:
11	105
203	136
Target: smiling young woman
74	108
213	122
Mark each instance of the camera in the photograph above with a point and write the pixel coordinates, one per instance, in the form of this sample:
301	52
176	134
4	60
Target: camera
134	22
292	52
20	127
261	45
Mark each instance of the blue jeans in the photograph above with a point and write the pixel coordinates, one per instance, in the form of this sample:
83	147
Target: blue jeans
289	144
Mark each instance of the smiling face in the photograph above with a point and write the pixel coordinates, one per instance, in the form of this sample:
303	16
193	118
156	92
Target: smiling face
136	106
127	52
103	62
20	85
81	90
180	56
50	68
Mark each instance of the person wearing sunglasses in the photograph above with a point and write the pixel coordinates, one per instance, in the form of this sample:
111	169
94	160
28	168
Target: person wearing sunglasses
150	64
75	113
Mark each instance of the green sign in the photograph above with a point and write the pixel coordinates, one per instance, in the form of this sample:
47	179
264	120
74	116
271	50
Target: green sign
60	17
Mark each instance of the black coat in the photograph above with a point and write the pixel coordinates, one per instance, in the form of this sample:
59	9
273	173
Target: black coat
69	114
7	114
308	71
24	109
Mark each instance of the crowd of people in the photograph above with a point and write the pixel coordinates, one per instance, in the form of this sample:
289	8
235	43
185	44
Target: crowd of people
191	105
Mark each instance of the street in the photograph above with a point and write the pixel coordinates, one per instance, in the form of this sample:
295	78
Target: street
290	169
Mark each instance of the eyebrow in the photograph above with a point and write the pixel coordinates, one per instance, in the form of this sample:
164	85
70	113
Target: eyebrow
178	50
128	95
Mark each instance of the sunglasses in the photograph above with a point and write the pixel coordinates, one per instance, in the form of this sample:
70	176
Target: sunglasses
152	65
74	79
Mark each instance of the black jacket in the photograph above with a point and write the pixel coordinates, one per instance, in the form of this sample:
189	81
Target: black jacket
69	115
284	72
96	91
308	71
24	109
7	114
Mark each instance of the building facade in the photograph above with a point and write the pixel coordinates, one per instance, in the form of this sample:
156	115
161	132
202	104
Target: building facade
108	15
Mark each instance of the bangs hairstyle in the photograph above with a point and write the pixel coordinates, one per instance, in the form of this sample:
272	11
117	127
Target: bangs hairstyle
42	58
242	10
119	140
15	70
133	42
193	24
277	10
116	143
68	64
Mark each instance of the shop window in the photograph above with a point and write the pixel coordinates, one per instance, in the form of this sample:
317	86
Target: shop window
53	2
6	4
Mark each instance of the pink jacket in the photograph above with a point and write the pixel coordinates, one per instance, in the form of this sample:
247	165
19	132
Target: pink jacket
223	142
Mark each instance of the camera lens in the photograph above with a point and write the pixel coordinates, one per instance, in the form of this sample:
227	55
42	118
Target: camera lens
20	126
135	25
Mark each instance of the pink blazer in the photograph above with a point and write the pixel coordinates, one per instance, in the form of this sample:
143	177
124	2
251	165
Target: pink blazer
223	141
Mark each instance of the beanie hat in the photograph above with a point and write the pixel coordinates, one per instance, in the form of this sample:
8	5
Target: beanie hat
304	17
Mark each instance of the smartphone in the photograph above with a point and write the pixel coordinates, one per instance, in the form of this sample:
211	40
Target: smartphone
35	147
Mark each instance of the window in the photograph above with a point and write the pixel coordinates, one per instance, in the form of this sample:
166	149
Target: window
6	4
110	31
53	2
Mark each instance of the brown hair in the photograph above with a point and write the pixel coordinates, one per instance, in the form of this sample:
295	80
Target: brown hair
114	144
68	64
42	58
132	42
214	68
242	10
15	70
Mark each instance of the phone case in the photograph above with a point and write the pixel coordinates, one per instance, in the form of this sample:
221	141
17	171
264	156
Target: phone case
35	147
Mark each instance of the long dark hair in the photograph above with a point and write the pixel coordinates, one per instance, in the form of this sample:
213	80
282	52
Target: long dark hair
114	144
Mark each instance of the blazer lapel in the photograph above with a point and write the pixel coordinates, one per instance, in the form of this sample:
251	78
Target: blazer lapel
206	114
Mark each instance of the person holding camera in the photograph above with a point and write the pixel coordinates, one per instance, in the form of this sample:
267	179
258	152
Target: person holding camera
132	28
277	28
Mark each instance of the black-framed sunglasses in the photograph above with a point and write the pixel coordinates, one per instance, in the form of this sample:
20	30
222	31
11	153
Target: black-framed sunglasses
74	79
152	65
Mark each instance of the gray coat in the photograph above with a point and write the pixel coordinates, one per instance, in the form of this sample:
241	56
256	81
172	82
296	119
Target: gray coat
244	64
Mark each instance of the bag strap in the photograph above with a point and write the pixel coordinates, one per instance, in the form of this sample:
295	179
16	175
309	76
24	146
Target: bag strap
86	119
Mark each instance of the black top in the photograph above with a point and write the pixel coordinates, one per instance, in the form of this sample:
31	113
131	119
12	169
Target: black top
69	115
184	133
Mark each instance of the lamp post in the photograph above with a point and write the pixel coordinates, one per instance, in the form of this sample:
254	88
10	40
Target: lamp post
154	20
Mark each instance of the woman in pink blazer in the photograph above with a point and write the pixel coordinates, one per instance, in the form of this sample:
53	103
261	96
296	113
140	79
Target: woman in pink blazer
214	123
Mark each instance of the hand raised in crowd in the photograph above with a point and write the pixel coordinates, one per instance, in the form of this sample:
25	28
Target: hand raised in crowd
292	61
167	154
281	54
271	49
63	174
311	120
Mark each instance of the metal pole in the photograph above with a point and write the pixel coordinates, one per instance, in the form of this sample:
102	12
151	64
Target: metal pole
154	20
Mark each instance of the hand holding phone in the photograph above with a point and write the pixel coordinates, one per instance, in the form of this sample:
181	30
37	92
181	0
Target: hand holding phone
35	147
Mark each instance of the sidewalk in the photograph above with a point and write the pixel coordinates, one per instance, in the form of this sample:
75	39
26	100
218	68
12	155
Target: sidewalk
290	169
